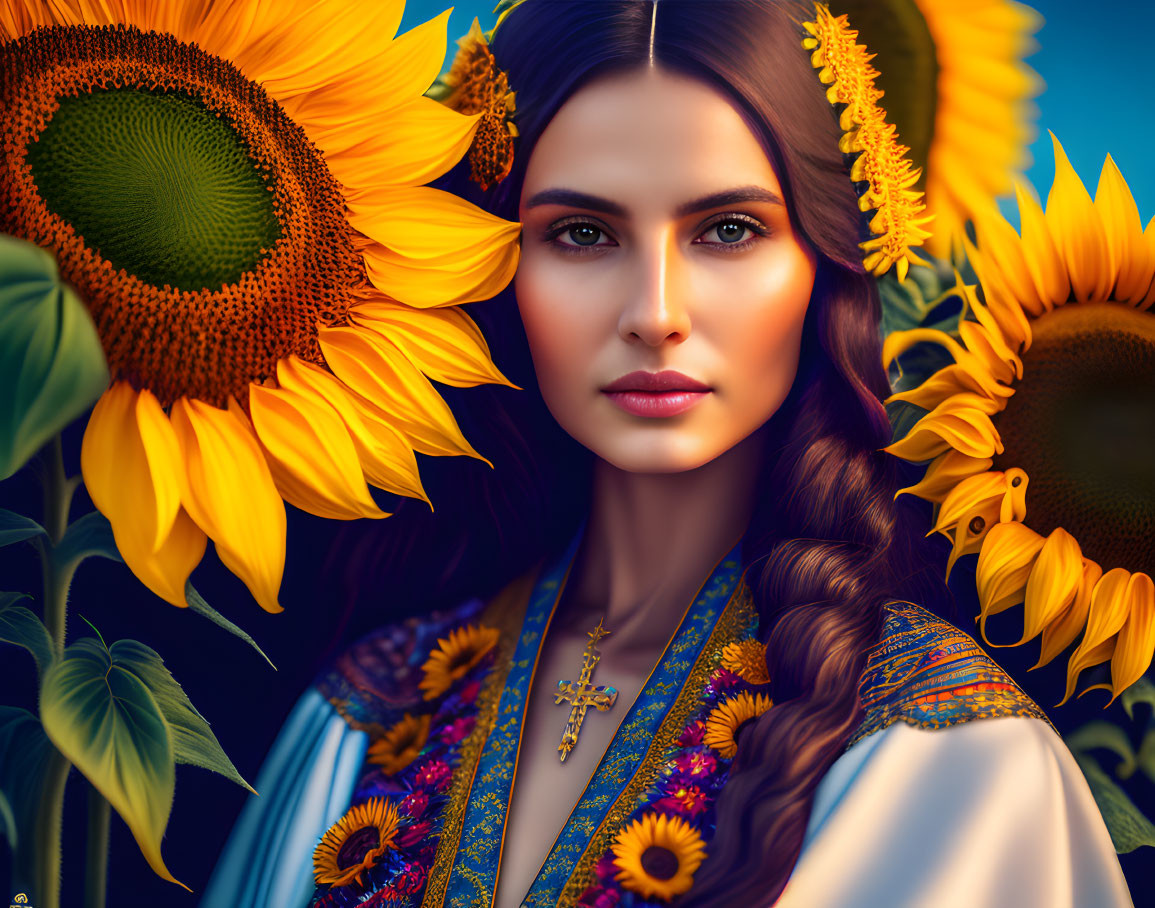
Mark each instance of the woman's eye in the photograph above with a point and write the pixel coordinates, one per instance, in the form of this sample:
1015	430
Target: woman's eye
729	232
579	236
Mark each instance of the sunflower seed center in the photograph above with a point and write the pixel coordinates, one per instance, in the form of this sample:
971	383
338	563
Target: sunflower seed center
1082	424
357	845
660	863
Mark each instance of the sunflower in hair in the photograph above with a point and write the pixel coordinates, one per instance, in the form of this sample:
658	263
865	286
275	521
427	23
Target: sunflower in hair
657	855
235	189
1038	434
956	87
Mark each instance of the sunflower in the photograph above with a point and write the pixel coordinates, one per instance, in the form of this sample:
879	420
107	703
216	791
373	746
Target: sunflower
657	855
474	85
401	744
958	91
1039	433
728	717
235	188
355	842
455	655
747	659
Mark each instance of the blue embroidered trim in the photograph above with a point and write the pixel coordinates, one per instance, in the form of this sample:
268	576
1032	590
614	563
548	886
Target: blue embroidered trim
632	741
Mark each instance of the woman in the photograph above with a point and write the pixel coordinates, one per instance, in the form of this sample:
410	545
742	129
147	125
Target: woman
700	323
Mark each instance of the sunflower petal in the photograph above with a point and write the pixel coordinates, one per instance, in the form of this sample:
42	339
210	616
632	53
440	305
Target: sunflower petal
1005	563
1002	247
310	454
386	457
969	494
1065	627
1078	228
1123	229
1110	603
444	343
1040	252
1136	642
944	473
228	490
961	422
367	96
423	141
1053	583
376	370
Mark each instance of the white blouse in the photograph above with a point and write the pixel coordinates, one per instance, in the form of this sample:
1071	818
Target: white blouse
992	813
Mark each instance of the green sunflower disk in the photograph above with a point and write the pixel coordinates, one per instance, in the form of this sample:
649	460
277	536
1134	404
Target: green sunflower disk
160	185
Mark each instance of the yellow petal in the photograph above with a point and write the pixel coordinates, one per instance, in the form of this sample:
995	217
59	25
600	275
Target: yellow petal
1123	230
961	422
365	97
971	531
446	282
1053	583
228	490
944	473
317	44
1110	602
1040	253
310	454
445	343
1005	563
386	458
423	140
1001	246
131	465
1066	626
1002	304
1078	231
376	370
1136	642
969	494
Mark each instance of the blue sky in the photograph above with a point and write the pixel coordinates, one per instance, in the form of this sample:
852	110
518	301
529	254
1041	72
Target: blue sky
1093	58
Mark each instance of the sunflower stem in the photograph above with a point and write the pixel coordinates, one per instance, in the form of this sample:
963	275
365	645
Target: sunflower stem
49	820
96	851
58	489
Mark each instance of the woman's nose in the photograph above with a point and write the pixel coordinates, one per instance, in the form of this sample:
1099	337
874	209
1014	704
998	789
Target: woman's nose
656	312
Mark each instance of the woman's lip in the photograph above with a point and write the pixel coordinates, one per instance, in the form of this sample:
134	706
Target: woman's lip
656	404
667	380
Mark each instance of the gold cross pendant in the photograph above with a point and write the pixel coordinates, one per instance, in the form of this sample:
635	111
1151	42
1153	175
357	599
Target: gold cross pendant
582	694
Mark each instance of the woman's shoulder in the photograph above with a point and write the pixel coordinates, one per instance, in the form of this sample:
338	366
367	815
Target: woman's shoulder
927	673
376	680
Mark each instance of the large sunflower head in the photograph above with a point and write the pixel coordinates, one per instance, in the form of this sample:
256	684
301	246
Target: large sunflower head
355	843
235	188
955	86
1039	434
657	856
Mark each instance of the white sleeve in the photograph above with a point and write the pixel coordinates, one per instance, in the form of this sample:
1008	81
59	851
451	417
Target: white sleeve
304	786
992	813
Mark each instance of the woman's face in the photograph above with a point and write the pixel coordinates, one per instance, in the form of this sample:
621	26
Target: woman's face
662	286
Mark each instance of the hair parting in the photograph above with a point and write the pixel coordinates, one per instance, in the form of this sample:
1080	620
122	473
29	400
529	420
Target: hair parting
821	561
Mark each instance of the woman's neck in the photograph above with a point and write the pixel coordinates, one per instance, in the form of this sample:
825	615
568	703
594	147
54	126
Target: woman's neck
652	539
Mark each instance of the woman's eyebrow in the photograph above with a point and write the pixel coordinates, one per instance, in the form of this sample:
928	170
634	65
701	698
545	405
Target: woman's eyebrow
573	199
730	197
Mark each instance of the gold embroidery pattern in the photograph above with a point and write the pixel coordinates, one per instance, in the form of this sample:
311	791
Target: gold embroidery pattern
734	624
929	674
505	613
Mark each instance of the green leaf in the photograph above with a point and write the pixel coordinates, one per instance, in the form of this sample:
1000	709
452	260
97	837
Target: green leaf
21	626
1145	759
90	535
1108	736
24	753
192	739
1129	828
8	822
196	603
52	366
104	719
1142	691
16	528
